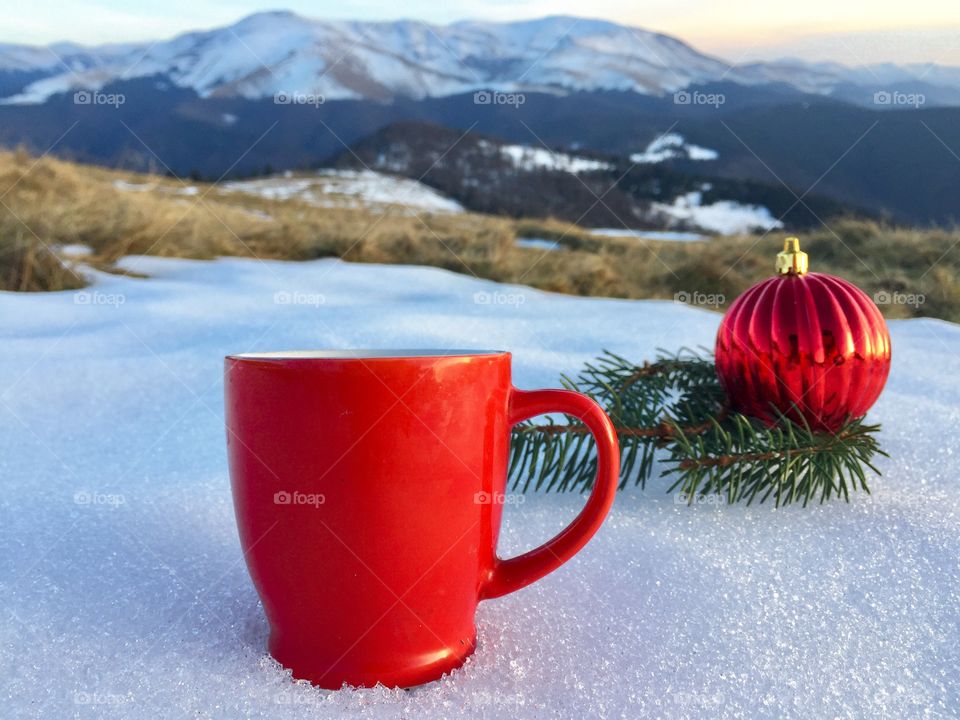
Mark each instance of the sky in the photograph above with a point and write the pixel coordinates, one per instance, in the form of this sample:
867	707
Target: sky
853	32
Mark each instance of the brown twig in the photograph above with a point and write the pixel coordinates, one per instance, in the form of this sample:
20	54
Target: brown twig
648	369
726	460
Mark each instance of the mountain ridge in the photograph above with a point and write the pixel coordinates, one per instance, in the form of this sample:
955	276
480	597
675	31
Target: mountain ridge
280	51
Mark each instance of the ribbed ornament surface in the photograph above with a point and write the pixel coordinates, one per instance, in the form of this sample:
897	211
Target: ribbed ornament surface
813	341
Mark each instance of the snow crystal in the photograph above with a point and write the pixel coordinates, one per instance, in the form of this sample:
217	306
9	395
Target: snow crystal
125	593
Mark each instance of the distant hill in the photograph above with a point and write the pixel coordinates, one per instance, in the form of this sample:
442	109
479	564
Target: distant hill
595	190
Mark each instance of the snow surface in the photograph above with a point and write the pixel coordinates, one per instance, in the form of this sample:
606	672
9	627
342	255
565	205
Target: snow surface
726	217
125	594
670	146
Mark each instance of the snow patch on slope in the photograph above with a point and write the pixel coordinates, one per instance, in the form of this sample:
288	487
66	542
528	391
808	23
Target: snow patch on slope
348	188
723	216
327	188
528	158
666	235
671	146
274	52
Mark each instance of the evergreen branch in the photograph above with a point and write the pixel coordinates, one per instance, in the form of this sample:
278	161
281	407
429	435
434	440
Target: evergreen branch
742	459
678	405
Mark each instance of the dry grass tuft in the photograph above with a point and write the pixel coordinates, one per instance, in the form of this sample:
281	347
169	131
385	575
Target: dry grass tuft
46	203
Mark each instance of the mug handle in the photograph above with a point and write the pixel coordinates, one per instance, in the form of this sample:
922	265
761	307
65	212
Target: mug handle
515	573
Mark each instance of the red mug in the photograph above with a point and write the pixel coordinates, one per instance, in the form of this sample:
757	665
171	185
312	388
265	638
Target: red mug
368	491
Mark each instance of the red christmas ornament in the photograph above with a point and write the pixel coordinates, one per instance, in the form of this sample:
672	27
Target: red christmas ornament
809	345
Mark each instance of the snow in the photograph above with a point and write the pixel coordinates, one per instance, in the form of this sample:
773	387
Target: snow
125	594
726	217
348	188
327	188
280	52
537	243
25	57
665	235
124	186
524	157
670	146
74	250
39	91
672	235
696	152
270	188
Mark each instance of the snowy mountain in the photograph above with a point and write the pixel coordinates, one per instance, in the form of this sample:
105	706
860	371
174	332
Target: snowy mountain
277	91
282	54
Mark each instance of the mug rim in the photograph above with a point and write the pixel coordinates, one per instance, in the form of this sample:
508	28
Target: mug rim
363	354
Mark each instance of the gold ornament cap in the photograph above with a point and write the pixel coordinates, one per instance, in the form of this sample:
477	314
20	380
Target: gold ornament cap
792	261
